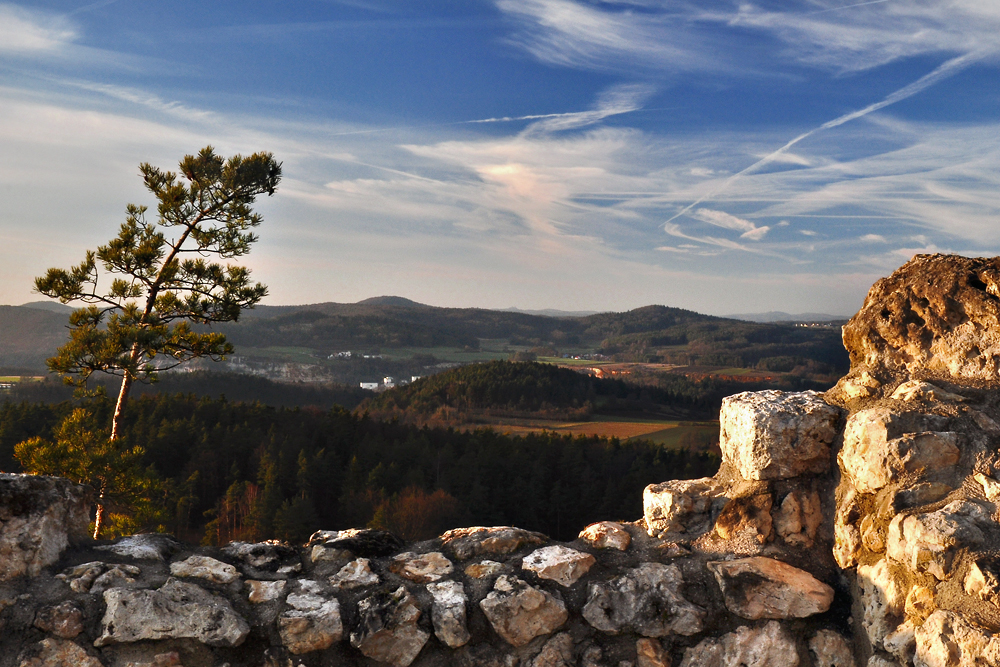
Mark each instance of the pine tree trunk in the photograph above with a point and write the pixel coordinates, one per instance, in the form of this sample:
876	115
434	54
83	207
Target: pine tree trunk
99	517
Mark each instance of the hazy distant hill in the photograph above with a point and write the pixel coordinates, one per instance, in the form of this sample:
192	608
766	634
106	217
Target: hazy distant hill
29	336
780	316
51	306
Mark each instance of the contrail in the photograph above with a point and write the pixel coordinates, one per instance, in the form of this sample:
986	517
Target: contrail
93	5
943	71
837	9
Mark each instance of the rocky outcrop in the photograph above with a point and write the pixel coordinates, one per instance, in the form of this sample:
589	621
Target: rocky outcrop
856	527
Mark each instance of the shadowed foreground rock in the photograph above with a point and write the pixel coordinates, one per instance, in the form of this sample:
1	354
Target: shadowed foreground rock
856	528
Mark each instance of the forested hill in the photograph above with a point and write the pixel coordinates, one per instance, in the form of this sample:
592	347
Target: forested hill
527	389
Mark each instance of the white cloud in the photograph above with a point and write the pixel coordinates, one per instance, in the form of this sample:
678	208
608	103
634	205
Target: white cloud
727	221
24	31
873	238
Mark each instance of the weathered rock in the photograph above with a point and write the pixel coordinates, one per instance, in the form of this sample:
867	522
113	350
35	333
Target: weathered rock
647	600
313	623
365	542
58	653
145	546
915	496
846	545
650	653
465	543
203	567
606	535
421	568
830	649
97	577
115	576
928	542
265	591
388	630
675	505
872	534
991	487
776	435
319	552
64	620
448	613
768	646
39	518
168	659
877	451
920	603
356	574
760	587
946	639
983	580
902	643
484	569
918	390
520	612
265	560
176	610
936	312
560	564
746	515
883	597
557	652
859	385
799	517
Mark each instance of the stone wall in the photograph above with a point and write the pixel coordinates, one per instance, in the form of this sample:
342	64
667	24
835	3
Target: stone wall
853	528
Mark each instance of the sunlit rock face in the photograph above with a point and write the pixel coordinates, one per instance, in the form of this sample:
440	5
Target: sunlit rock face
857	527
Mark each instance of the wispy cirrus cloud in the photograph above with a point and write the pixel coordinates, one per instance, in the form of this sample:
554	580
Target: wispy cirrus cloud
30	32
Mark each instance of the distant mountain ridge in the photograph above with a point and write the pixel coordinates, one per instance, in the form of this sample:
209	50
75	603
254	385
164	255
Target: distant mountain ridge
781	316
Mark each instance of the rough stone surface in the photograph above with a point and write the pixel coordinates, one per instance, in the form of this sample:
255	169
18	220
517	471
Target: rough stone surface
147	546
746	515
313	623
983	580
557	652
777	435
265	560
918	390
203	567
467	543
39	518
647	600
760	587
946	639
58	653
936	312
770	645
650	653
64	620
677	505
387	628
174	611
520	612
484	569
878	450
799	517
421	568
559	564
606	535
883	598
356	574
448	613
831	649
265	591
920	603
928	542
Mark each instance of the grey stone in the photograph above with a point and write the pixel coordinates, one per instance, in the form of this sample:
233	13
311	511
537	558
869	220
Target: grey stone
520	612
760	587
678	505
58	653
928	542
203	567
465	543
768	646
831	649
448	613
313	623
146	546
646	600
387	629
557	563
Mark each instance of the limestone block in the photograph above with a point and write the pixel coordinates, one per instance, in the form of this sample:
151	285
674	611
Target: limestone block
799	517
560	564
264	560
265	591
650	653
606	535
877	453
177	610
671	506
861	385
760	587
646	600
484	569
991	487
365	542
771	645
97	577
947	639
421	568
387	629
145	546
466	543
520	612
356	574
64	620
557	652
313	623
872	535
831	649
982	580
928	542
846	545
902	643
203	567
58	653
448	613
920	603
937	313
746	515
918	390
39	517
883	598
776	435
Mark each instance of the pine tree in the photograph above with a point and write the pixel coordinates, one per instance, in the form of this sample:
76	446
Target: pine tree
139	322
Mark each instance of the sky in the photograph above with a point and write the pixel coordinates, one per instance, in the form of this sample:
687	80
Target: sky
725	157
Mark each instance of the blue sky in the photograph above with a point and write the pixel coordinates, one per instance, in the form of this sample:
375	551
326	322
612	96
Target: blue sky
576	154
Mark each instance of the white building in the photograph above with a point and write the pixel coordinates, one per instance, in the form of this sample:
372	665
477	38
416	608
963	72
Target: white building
371	386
